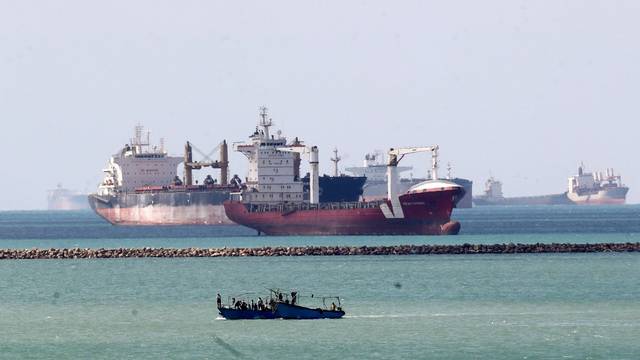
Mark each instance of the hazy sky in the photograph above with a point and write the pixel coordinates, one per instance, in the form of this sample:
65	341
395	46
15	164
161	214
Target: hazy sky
522	90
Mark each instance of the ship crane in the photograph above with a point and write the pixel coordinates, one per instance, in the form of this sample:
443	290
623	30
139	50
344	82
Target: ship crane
190	165
314	182
396	155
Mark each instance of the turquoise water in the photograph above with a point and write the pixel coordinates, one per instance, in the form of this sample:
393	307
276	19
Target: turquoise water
574	306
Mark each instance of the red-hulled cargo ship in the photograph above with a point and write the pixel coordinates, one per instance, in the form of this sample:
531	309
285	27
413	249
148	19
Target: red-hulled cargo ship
273	202
426	208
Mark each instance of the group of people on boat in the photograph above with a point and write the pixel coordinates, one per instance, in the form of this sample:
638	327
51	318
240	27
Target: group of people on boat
258	305
277	305
239	304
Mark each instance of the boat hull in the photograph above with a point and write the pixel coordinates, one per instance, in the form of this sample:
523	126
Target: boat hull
423	213
238	314
291	312
162	208
554	199
610	196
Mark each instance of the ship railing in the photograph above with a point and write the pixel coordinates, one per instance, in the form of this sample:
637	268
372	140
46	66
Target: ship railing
291	207
235	196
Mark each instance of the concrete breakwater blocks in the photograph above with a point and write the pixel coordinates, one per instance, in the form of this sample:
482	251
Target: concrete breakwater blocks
77	253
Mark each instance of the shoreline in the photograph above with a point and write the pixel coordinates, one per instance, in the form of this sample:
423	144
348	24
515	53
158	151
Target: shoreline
463	249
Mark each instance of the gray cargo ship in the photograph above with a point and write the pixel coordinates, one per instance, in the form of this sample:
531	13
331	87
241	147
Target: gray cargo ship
493	196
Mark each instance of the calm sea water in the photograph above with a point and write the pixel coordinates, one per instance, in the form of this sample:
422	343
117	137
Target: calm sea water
572	306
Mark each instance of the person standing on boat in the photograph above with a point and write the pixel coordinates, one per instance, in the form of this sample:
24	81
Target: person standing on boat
219	301
294	297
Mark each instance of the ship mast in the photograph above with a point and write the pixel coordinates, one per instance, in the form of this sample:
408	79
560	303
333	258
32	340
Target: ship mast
136	142
265	122
335	159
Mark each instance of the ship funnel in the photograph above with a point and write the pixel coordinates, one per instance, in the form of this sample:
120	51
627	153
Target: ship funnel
314	181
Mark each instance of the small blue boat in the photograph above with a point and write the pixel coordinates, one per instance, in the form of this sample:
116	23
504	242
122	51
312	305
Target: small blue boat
279	306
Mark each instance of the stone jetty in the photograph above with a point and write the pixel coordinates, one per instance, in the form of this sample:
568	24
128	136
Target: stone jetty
77	253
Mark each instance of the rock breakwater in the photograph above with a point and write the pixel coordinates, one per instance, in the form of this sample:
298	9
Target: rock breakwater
77	253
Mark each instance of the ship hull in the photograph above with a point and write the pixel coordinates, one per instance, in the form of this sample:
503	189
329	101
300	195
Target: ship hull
163	208
611	196
424	213
555	199
295	312
239	314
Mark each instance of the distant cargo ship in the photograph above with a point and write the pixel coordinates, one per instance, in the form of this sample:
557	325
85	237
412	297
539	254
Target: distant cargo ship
584	188
375	170
65	199
596	188
273	201
141	187
493	196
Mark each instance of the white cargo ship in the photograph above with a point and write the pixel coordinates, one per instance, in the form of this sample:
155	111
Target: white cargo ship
597	187
142	187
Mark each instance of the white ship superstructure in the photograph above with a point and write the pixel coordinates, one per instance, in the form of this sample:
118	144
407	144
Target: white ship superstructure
271	178
596	187
374	168
139	164
493	189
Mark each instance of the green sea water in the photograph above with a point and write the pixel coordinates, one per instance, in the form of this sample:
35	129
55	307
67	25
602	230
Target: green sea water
544	306
427	307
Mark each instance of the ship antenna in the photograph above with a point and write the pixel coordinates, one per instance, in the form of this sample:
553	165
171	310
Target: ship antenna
136	142
265	122
335	159
449	170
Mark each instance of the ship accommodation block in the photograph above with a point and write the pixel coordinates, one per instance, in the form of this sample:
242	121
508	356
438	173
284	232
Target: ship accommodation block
271	177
